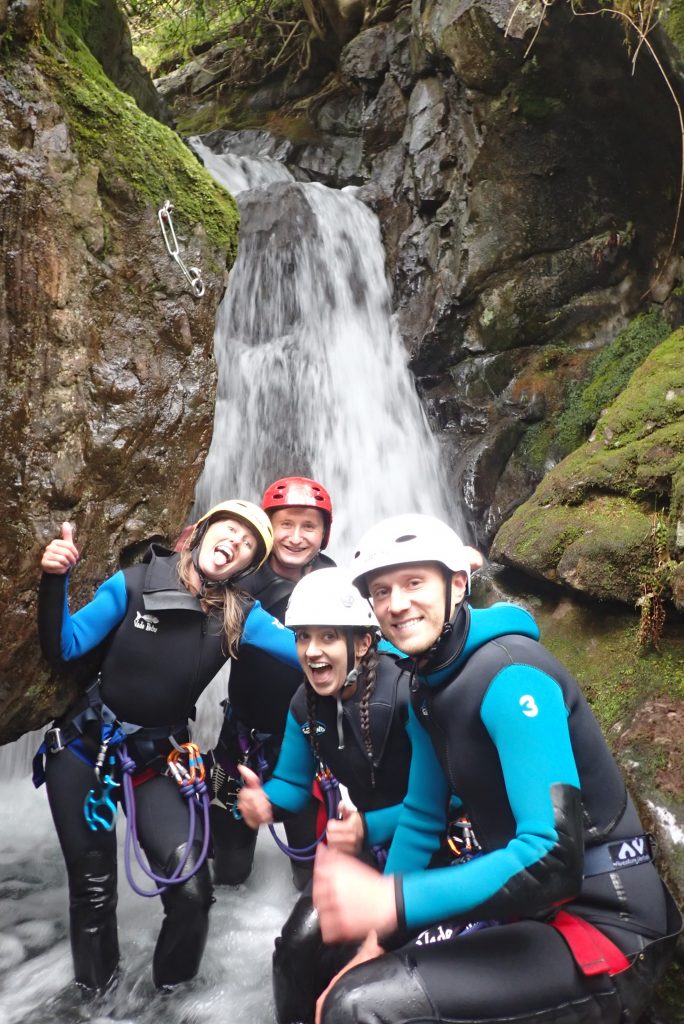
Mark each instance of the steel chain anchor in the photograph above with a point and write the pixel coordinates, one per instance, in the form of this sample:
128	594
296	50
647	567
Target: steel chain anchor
192	275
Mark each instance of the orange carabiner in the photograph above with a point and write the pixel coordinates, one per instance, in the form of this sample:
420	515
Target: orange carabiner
194	771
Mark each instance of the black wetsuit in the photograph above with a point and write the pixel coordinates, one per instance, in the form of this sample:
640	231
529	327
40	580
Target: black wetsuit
160	650
259	693
302	964
564	873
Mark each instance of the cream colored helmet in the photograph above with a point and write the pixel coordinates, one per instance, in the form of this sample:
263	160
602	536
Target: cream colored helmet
249	514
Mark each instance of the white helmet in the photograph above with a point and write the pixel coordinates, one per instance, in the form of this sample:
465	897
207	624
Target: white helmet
327	597
405	539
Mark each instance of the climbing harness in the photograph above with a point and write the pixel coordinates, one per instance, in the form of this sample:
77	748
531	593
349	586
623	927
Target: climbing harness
252	750
192	275
183	763
191	781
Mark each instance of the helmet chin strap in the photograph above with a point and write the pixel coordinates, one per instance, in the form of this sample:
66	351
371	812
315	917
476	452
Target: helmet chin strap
448	627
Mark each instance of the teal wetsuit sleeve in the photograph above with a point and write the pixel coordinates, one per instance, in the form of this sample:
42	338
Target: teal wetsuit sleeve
290	785
89	626
525	715
263	630
381	824
423	819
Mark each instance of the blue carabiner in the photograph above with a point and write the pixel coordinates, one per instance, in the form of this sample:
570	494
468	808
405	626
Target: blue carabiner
93	804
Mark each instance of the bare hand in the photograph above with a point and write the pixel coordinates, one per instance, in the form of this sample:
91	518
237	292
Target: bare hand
345	834
369	950
253	804
351	898
61	554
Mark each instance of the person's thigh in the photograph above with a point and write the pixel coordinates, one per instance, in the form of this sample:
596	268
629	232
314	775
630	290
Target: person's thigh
68	781
163	819
522	971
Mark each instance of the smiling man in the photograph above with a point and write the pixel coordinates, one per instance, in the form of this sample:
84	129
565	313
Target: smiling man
499	726
261	687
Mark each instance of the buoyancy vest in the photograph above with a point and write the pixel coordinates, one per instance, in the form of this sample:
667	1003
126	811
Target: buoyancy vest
260	686
450	711
165	651
375	781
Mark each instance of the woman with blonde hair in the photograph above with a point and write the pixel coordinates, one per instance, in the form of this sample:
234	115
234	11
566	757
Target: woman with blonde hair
166	626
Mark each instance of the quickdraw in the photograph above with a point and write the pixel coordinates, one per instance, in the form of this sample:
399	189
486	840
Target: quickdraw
461	840
192	275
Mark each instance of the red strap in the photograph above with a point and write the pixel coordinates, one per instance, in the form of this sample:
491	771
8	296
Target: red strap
144	776
593	951
322	810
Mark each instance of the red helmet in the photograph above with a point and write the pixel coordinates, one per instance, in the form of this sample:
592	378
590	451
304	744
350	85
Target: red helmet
299	492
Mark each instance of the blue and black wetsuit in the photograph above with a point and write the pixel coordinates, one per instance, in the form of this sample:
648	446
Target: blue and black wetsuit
376	780
260	689
160	650
504	728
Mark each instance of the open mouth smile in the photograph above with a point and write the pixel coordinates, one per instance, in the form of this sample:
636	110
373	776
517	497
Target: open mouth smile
223	556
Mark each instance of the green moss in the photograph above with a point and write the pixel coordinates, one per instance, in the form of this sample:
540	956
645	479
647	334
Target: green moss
609	490
177	30
602	652
606	376
673	20
534	447
107	127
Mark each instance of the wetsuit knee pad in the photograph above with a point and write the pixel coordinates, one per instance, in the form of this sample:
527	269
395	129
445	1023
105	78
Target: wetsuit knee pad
381	991
303	964
196	894
183	935
234	844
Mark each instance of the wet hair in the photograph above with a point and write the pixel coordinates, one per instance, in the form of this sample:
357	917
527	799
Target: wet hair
221	601
368	670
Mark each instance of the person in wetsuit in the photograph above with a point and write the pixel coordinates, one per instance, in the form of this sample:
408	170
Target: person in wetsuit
349	717
582	926
261	687
167	625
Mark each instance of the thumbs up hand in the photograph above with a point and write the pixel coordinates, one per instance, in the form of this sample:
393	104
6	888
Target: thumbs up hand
253	804
61	554
346	832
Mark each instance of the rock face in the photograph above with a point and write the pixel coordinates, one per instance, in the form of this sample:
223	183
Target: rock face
107	368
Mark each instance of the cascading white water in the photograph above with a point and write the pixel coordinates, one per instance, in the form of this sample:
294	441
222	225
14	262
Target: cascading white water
312	380
313	376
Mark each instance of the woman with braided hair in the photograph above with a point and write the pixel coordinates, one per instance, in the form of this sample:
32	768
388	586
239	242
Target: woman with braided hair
349	716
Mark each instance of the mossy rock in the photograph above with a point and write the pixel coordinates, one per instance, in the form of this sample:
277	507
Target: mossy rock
131	150
590	523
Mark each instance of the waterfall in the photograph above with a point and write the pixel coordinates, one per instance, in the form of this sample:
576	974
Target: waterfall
312	374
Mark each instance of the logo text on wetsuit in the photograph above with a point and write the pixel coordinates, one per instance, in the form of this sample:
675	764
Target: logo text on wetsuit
320	729
630	852
147	622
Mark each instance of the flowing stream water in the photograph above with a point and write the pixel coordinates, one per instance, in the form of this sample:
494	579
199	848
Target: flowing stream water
312	380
